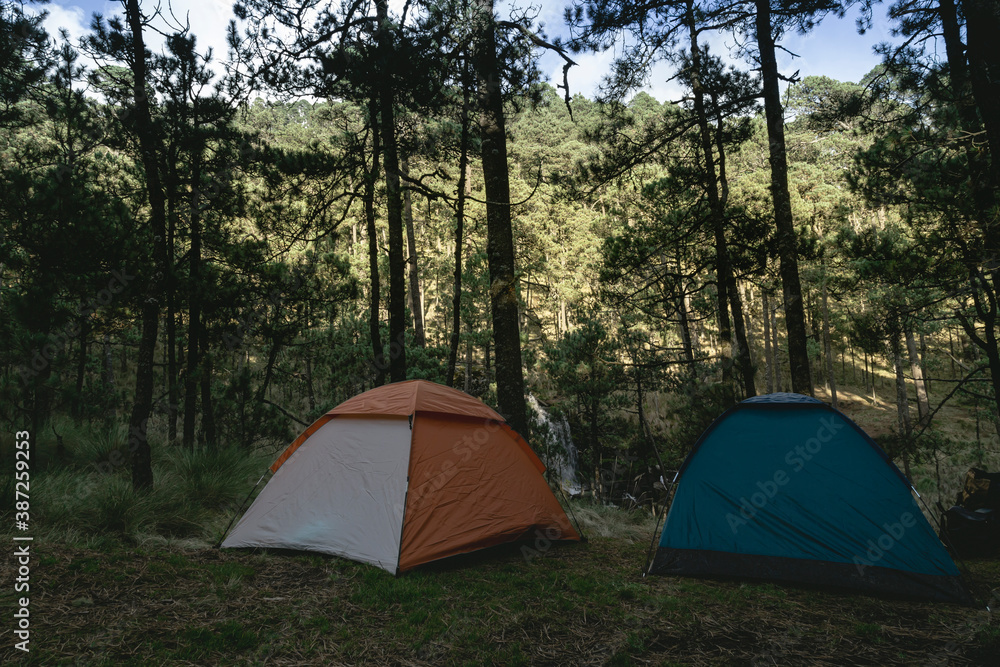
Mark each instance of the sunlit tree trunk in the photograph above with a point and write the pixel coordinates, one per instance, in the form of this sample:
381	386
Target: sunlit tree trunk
500	238
902	402
923	406
768	353
795	319
375	284
463	185
827	345
414	294
394	205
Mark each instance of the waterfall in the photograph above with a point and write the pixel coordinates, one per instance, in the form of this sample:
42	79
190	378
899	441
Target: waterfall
559	452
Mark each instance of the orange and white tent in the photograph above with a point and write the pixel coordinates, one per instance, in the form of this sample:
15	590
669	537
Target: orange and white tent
401	475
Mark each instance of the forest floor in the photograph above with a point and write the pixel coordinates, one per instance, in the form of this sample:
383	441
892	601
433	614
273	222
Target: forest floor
573	604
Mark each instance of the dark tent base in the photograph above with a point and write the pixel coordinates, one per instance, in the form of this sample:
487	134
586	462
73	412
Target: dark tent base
874	580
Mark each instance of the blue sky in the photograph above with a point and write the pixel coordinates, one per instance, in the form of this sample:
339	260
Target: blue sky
834	49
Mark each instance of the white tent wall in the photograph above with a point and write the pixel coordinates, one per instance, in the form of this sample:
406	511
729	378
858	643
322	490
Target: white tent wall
342	492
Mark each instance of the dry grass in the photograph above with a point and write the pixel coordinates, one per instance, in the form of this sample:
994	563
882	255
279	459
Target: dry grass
579	604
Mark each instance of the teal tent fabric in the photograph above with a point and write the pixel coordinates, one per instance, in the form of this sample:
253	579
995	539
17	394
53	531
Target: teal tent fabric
784	487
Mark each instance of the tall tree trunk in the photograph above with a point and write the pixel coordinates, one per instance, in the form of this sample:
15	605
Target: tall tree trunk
682	307
923	406
194	306
108	379
747	311
414	295
500	237
987	343
768	352
310	392
902	403
976	88
817	369
467	383
173	368
742	342
723	269
595	446
923	367
795	318
743	351
982	28
208	428
394	202
81	368
463	183
866	376
827	346
142	468
776	350
173	395
374	330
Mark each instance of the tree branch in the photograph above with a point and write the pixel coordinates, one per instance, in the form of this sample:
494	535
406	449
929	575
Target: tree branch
538	41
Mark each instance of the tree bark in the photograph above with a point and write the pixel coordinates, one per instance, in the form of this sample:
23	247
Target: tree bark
394	203
173	396
194	307
500	237
682	298
142	468
923	406
463	183
173	368
768	353
81	368
982	28
414	295
374	330
923	367
310	391
902	402
207	411
742	342
467	382
795	324
723	270
775	349
108	379
827	345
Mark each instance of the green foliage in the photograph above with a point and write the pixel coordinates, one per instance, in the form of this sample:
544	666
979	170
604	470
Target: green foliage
88	495
583	370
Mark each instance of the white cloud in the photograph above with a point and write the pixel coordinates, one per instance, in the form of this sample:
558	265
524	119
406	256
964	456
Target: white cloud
833	49
73	19
207	19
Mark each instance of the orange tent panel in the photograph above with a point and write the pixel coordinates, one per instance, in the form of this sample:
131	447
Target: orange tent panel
413	396
473	485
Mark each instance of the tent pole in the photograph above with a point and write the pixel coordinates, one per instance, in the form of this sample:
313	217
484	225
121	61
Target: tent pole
659	459
652	540
239	511
572	514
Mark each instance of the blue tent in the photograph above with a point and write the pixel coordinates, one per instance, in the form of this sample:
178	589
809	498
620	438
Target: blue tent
783	487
